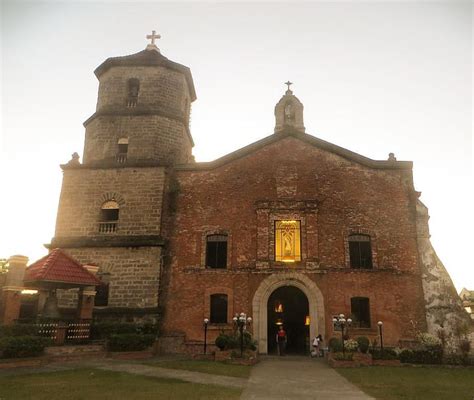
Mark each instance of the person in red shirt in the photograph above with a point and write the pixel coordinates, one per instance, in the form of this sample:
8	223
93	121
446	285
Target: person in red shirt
281	340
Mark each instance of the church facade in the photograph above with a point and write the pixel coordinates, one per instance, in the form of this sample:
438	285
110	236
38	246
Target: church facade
290	230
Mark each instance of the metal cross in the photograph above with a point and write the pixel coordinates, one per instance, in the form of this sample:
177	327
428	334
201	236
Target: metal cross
288	84
153	36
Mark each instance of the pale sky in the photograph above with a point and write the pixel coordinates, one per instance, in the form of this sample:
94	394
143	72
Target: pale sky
374	77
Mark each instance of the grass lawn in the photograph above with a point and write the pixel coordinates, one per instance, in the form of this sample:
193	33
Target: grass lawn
208	367
85	384
413	383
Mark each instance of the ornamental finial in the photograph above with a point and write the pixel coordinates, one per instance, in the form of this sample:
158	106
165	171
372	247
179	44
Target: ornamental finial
152	37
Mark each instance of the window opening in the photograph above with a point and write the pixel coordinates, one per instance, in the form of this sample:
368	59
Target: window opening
360	312
109	217
360	251
216	251
218	308
287	241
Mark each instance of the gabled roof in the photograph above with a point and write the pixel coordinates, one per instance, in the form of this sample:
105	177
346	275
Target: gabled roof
312	140
147	58
58	267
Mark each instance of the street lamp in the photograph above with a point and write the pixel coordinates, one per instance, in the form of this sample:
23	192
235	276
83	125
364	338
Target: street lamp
342	322
206	322
240	322
380	324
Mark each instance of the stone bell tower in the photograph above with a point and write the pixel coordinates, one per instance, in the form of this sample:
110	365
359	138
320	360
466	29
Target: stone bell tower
289	112
111	206
143	111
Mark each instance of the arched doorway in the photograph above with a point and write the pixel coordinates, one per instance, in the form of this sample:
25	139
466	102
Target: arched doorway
263	293
288	307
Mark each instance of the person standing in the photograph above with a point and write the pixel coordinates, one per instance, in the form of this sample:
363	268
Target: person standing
281	340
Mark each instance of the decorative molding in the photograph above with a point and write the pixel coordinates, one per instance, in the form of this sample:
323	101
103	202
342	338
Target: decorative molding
106	241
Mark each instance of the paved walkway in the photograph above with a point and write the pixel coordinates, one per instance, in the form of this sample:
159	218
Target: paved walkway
298	378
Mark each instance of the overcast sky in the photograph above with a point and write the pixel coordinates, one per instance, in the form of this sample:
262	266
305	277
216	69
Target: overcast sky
373	77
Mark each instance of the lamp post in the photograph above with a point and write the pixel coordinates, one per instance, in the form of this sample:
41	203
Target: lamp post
380	324
342	322
206	322
240	322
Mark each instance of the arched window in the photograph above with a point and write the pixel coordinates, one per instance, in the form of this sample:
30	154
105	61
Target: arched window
218	314
360	312
122	150
287	241
102	291
133	90
109	217
360	251
216	251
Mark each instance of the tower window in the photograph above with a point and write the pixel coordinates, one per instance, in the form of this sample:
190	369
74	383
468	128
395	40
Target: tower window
216	251
360	251
218	309
360	312
133	90
122	150
109	217
287	241
102	291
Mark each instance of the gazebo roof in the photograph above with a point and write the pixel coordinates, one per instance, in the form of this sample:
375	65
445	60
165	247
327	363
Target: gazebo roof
58	269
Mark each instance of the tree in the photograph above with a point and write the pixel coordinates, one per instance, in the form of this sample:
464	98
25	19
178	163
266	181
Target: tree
3	265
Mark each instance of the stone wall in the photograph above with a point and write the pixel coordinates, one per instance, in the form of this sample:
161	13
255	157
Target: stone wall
444	310
133	275
138	191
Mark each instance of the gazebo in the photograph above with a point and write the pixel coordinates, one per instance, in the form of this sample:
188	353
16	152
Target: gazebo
58	270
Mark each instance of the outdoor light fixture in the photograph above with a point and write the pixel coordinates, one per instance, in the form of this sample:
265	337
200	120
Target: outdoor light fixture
380	324
206	322
241	322
342	322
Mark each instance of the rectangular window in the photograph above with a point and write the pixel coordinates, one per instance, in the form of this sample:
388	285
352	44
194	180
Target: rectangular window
216	251
360	251
287	241
360	312
218	309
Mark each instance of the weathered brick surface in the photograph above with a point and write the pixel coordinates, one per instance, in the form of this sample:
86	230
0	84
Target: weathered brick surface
138	191
333	197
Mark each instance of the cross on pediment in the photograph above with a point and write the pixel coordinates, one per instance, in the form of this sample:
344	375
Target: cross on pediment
288	83
153	36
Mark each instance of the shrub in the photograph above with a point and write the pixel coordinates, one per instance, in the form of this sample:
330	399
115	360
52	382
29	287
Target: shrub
129	342
422	356
343	356
103	330
22	346
363	343
19	330
428	341
222	341
386	354
351	345
335	344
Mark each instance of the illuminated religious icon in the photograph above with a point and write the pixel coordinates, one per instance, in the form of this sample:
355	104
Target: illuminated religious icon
307	321
287	241
278	307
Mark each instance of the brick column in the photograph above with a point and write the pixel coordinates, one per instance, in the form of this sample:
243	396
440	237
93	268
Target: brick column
10	295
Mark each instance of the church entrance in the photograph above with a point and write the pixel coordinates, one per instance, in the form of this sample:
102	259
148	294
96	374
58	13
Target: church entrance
288	307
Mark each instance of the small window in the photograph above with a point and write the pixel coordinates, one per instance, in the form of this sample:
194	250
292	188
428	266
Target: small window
287	241
360	251
218	309
102	295
360	312
216	251
109	217
133	90
122	150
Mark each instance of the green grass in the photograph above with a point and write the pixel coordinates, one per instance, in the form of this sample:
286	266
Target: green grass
208	367
413	383
90	384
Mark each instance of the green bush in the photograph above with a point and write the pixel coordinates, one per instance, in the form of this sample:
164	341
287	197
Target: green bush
364	343
386	354
422	356
222	341
22	346
19	330
129	342
335	344
103	330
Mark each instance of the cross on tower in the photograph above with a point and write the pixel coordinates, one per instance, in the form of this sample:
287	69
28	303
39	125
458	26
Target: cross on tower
288	84
153	36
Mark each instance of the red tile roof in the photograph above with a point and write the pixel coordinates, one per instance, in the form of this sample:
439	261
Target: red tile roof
57	266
